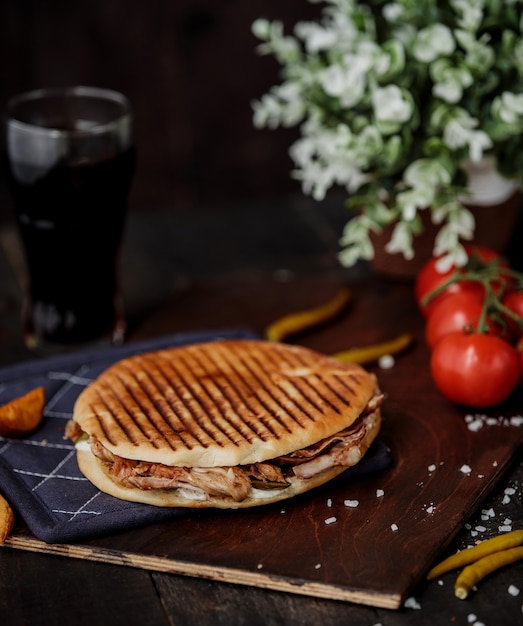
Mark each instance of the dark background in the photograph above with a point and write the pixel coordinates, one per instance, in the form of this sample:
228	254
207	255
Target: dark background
191	69
212	195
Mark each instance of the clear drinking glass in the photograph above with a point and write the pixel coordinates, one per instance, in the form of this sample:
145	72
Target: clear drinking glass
70	162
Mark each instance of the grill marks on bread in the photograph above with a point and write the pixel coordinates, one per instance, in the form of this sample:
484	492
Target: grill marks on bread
258	417
219	394
303	384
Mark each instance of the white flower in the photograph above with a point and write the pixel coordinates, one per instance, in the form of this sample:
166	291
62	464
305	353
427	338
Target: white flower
348	78
426	174
401	241
390	105
293	107
510	107
315	36
450	81
378	60
316	179
433	41
390	101
480	56
261	28
460	132
344	83
456	257
393	12
413	199
267	111
356	241
459	224
471	13
285	49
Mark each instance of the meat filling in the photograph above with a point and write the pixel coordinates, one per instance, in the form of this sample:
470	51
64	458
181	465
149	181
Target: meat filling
341	449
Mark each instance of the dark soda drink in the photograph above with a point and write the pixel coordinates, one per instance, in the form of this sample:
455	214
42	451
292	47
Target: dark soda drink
71	221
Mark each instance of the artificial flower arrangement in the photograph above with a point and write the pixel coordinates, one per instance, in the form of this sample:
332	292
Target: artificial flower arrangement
395	100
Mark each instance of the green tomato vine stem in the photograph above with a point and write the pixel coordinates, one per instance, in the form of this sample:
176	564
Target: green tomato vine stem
486	274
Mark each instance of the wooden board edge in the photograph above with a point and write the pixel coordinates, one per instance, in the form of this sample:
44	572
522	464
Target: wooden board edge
260	579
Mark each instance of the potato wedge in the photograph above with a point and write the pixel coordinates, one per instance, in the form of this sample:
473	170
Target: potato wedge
7	519
22	415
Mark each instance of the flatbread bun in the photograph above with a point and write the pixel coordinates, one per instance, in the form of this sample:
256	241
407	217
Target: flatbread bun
96	472
221	403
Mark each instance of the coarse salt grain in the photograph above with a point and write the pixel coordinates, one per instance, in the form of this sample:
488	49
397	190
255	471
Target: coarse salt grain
504	528
481	529
477	421
430	509
352	503
394	527
412	603
474	423
489	512
510	491
513	590
386	362
330	520
431	468
471	618
317	566
465	469
329	502
379	493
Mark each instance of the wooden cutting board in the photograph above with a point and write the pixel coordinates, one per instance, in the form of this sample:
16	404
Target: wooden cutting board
321	544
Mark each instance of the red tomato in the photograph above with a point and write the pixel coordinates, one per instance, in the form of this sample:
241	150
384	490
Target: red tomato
460	312
475	369
429	278
457	312
514	302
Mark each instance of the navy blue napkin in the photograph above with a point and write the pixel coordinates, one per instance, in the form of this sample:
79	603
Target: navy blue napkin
39	474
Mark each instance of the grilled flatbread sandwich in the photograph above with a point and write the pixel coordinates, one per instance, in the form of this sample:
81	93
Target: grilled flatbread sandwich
226	424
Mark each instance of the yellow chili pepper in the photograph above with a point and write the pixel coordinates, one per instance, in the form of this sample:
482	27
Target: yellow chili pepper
473	574
367	354
479	551
303	320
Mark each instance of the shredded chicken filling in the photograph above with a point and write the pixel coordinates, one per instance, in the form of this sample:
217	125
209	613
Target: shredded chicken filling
236	482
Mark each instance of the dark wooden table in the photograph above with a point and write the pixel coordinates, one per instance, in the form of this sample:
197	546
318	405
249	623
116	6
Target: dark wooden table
239	266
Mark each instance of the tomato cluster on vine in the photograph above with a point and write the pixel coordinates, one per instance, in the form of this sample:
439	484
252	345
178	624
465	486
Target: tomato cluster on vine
474	327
